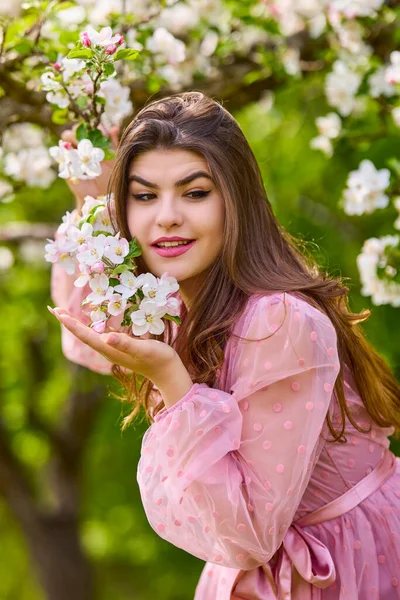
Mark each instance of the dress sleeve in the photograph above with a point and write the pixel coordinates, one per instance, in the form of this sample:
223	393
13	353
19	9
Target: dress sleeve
222	474
68	296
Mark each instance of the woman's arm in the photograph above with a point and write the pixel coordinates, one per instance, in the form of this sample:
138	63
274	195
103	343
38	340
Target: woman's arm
221	475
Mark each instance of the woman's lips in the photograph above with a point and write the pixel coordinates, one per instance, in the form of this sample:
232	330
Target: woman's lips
174	250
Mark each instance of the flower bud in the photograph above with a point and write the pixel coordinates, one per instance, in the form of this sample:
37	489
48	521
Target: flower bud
111	49
97	267
67	145
57	66
99	326
85	39
120	39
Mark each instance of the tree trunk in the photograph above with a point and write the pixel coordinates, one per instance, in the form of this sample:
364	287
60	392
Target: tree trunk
57	555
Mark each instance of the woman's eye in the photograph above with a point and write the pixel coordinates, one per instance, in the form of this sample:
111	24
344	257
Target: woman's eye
141	196
195	195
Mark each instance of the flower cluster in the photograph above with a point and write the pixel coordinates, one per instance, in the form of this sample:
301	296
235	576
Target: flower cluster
106	263
365	189
377	265
80	163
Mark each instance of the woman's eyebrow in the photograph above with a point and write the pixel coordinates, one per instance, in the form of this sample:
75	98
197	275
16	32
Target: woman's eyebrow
179	183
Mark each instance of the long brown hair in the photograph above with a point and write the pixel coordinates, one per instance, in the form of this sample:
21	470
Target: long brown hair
258	257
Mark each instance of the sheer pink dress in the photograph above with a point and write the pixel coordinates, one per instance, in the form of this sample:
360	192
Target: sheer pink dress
243	477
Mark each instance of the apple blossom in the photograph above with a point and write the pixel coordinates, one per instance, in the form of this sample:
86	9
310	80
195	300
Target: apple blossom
148	318
366	187
116	304
128	286
116	250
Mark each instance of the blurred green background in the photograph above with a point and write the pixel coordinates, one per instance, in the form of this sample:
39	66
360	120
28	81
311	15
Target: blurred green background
129	559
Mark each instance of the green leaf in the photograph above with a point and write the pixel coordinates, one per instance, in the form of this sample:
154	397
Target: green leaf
82	101
23	47
98	139
171	318
82	132
60	116
80	53
394	163
99	232
108	70
134	249
126	54
120	269
113	282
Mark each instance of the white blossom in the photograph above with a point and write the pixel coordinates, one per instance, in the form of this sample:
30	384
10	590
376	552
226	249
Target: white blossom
71	66
378	84
49	82
116	304
6	258
172	306
22	135
179	19
71	17
153	288
102	37
372	256
396	115
89	203
90	158
170	282
148	318
116	249
93	251
80	235
162	42
98	315
70	218
366	187
118	104
101	289
10	8
392	72
209	43
330	125
350	34
291	61
341	86
320	142
102	221
84	276
31	165
128	286
356	8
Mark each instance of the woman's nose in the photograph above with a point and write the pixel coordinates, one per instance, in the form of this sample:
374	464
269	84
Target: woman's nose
168	214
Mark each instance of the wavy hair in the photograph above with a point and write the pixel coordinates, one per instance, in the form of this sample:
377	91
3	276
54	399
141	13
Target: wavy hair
258	256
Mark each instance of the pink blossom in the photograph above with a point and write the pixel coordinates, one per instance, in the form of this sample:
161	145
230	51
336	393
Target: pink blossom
120	39
67	145
99	326
111	49
97	267
85	39
57	66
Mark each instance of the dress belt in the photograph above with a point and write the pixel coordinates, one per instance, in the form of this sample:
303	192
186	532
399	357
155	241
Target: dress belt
311	559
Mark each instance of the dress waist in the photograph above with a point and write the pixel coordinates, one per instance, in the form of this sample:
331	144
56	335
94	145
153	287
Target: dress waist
303	556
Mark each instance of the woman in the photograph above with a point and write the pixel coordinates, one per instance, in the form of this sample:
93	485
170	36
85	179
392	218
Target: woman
267	454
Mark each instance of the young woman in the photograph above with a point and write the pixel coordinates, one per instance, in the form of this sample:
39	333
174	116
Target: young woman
267	454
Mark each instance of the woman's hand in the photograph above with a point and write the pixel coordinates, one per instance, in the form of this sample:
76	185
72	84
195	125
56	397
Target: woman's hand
154	359
91	187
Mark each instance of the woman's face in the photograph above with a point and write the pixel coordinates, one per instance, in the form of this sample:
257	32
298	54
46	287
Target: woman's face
159	206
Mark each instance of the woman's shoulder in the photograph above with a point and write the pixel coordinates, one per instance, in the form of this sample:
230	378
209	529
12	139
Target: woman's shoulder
277	306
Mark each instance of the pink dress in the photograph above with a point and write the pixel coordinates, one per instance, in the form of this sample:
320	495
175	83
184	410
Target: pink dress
242	476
